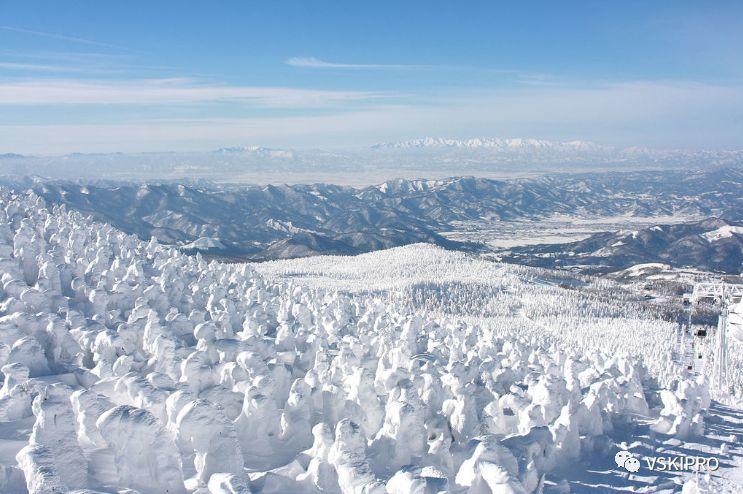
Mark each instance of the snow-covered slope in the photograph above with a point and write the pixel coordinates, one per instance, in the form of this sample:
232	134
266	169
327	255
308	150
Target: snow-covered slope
711	245
129	366
280	221
204	244
724	231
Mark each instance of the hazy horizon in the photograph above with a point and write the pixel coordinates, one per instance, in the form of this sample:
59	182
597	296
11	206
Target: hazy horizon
359	148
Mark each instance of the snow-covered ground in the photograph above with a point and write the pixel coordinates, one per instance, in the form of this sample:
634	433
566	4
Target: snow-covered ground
131	367
556	229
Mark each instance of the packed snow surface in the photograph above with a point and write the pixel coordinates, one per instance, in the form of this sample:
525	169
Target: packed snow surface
131	367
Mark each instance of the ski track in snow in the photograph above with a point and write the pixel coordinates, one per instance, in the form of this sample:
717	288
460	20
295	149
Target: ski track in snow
128	365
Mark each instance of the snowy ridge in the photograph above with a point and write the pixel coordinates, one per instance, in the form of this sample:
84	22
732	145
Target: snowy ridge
712	245
257	151
204	244
725	231
143	368
431	157
508	145
279	221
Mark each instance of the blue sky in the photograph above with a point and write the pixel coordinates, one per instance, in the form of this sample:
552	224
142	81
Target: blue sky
141	76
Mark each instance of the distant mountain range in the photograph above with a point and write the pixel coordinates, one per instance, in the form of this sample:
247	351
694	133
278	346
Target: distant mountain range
431	157
711	245
271	222
503	145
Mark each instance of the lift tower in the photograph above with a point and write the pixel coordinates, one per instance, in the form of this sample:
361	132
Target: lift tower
726	294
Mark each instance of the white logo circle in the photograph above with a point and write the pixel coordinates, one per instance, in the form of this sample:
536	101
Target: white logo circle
632	464
625	459
621	457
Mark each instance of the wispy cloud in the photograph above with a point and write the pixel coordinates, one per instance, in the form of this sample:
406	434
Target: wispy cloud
316	63
84	63
37	67
672	113
61	37
519	76
167	91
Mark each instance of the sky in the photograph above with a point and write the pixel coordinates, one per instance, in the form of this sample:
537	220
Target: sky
92	76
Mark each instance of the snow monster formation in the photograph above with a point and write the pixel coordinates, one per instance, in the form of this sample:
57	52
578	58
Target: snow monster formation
142	369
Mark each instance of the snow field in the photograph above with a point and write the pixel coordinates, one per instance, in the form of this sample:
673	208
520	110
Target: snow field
145	369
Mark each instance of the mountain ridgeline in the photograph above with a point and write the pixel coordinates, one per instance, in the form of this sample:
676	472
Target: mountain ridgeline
283	221
711	245
429	157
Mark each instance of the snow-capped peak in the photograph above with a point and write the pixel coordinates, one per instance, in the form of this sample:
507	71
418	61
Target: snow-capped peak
256	150
241	149
512	144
